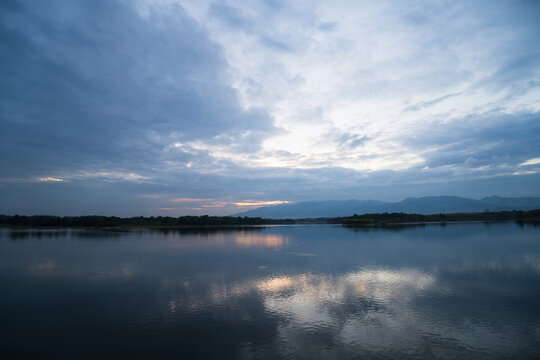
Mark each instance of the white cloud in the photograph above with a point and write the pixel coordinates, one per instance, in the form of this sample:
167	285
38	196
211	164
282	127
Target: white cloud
377	60
50	179
533	161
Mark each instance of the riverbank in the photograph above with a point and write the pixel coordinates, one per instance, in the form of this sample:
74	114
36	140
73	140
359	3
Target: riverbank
531	216
186	222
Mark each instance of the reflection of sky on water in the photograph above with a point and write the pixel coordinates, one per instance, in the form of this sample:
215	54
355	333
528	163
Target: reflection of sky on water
319	291
266	240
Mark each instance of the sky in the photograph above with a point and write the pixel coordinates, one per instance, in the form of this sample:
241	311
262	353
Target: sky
176	107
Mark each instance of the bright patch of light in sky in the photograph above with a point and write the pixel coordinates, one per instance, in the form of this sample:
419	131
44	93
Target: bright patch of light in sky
50	179
361	78
531	162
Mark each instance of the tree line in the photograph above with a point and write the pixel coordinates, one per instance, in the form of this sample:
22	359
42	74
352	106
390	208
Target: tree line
140	221
381	218
97	221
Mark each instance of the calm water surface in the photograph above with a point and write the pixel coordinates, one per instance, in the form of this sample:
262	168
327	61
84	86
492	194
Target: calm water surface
456	291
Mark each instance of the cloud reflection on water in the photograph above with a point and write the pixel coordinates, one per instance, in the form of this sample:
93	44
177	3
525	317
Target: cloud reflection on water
260	240
415	293
45	267
242	239
331	302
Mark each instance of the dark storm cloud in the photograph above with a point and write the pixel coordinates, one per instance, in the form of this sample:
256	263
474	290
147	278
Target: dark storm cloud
94	84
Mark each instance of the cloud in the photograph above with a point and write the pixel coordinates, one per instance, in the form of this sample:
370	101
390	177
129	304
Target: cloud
97	85
229	16
275	101
495	139
275	44
328	26
533	161
50	179
424	104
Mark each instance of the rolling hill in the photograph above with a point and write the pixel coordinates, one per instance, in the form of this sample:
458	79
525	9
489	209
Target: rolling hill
422	205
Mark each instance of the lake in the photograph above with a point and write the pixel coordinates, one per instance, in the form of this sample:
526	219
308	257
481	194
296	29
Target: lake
469	290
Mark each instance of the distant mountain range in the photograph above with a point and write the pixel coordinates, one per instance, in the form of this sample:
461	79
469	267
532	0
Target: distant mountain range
422	205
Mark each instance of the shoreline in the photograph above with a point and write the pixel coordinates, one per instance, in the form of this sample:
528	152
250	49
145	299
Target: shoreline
239	227
229	222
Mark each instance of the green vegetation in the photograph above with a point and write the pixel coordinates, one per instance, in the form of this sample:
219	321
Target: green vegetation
147	222
38	221
399	218
528	216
